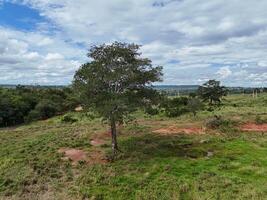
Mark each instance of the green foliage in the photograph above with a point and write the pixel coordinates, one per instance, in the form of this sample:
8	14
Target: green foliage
24	104
174	107
212	92
151	166
68	118
218	122
151	110
46	109
260	120
115	82
194	105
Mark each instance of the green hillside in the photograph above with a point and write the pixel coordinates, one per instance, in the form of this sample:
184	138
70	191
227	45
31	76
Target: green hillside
184	162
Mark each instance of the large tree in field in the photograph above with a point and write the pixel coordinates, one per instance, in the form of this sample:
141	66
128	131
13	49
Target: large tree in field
212	92
116	82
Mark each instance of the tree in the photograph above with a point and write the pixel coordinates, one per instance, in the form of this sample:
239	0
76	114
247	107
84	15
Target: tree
174	107
116	82
212	92
194	105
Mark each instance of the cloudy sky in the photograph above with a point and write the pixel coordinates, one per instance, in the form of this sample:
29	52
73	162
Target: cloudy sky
45	41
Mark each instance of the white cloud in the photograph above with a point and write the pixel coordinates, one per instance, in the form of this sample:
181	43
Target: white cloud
224	72
53	56
190	39
22	60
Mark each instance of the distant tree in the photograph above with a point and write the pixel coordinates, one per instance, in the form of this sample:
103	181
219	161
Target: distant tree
174	107
116	82
212	92
194	105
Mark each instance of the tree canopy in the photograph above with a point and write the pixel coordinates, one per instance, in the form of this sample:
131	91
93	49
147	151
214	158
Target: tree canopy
116	82
212	92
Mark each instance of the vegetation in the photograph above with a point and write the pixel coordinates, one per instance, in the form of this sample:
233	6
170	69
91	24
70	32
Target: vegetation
212	92
23	104
165	152
151	166
116	82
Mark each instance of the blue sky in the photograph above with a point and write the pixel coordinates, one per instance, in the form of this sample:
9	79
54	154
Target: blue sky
19	17
45	41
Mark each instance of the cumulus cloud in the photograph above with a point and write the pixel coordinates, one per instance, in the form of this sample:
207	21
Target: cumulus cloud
224	72
23	61
193	40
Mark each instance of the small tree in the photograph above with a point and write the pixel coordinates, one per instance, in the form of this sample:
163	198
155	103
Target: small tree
212	92
116	82
194	105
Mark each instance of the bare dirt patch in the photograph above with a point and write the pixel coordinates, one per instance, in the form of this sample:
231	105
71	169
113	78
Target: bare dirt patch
100	139
97	142
175	130
76	156
78	109
254	127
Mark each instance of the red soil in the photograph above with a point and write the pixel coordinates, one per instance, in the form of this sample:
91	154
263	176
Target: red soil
76	155
100	138
254	127
97	142
174	130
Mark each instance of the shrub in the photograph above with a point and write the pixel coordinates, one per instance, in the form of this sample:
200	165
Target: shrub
195	105
68	118
151	111
217	122
175	107
46	109
34	115
260	120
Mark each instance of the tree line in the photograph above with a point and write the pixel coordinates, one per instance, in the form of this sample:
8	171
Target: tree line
22	104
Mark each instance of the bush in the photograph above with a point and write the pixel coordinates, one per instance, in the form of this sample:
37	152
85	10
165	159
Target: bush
260	120
217	122
175	107
68	119
46	109
151	111
195	105
34	115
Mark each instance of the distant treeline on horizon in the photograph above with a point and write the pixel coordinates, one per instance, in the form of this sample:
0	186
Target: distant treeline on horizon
170	89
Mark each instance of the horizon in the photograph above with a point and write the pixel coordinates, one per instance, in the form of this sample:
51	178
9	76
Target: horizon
45	42
161	85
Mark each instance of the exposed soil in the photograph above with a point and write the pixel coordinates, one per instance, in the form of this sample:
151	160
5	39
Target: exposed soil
100	138
254	127
79	109
175	130
97	142
96	154
76	155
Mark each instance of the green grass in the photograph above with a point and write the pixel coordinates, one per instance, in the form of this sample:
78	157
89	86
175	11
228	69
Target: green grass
150	167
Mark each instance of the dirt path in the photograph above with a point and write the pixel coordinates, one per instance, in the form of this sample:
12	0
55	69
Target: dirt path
175	130
254	127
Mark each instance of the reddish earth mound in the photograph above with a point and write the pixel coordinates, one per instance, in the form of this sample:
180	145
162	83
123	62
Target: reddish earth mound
76	155
254	127
97	142
174	130
100	138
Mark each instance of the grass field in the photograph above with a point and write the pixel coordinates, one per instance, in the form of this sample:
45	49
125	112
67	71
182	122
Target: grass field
225	163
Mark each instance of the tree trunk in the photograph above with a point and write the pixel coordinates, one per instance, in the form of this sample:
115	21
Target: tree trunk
114	137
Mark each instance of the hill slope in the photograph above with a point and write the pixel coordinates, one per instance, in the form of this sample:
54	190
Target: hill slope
219	164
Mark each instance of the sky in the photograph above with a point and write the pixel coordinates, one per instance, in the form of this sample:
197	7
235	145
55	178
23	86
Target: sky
45	41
